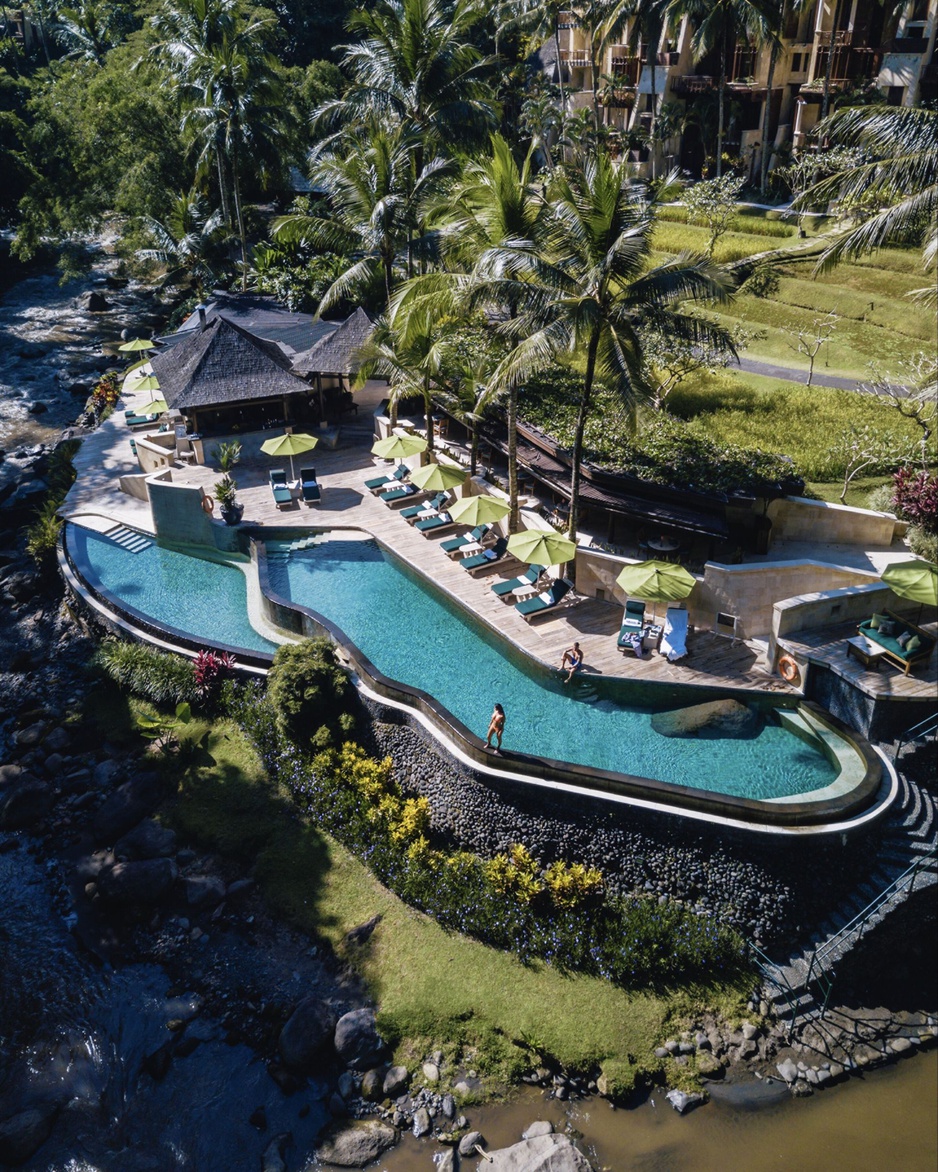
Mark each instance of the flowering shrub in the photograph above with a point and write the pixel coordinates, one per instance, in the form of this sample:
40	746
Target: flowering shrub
915	497
105	394
212	668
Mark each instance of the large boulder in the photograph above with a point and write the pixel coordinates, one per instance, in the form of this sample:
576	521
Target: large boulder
718	718
357	1041
126	806
147	840
353	1145
542	1153
144	882
25	1132
24	803
306	1034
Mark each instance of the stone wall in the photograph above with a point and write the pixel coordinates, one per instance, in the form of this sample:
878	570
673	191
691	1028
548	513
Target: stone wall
800	519
178	516
767	887
826	608
156	452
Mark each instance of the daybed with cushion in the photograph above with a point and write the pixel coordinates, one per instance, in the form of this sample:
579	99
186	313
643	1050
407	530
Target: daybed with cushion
545	601
903	643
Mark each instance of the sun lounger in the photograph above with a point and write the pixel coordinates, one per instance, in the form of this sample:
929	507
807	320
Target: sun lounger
528	578
545	601
674	642
387	482
633	623
430	525
396	495
312	493
425	508
488	557
453	545
283	497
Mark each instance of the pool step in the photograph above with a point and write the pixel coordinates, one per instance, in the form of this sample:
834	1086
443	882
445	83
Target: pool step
128	539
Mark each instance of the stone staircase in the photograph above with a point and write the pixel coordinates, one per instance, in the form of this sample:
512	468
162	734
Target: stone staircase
906	862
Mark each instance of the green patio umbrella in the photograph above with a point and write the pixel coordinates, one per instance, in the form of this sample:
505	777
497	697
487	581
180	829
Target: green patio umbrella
656	581
438	477
399	447
542	547
290	445
916	580
147	382
136	344
479	510
154	407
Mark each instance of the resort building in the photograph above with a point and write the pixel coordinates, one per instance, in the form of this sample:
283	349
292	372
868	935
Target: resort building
827	49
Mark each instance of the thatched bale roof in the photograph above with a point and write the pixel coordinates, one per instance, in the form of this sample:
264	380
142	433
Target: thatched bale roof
337	353
222	364
259	315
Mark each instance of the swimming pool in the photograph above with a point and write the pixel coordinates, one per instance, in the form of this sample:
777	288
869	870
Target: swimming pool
203	599
412	634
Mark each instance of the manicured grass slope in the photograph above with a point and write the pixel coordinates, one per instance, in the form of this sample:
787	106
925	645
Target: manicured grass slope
429	984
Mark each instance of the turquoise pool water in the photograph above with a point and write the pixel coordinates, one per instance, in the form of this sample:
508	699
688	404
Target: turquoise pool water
411	634
207	600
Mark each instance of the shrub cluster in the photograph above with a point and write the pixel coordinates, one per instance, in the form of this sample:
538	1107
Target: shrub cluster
42	536
310	694
559	913
166	680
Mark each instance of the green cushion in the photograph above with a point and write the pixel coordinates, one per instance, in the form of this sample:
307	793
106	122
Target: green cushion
914	643
877	619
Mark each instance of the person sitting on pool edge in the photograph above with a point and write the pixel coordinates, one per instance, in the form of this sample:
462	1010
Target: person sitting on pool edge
573	659
496	728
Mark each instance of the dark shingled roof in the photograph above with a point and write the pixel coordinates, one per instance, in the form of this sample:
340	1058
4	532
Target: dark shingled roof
337	353
258	315
223	364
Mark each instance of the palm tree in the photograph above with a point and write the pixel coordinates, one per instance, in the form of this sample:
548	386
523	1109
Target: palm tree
589	290
900	177
182	242
648	21
86	30
719	24
417	67
376	200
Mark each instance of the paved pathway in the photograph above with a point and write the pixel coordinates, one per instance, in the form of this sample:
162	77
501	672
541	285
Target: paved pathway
794	375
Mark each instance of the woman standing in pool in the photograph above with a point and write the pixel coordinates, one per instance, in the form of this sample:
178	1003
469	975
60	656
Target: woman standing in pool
496	728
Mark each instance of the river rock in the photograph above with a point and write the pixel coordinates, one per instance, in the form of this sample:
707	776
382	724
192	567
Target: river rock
542	1153
395	1081
147	840
682	1102
272	1160
24	804
126	806
542	1127
27	737
25	1132
468	1142
431	1072
56	741
353	1145
357	1041
144	882
306	1033
709	1066
448	1107
94	302
373	1084
422	1123
718	718
788	1071
204	891
445	1161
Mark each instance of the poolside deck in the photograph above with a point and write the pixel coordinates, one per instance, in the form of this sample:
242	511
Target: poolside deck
712	661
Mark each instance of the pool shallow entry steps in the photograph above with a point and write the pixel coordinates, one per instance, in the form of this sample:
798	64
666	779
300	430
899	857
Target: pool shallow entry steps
440	662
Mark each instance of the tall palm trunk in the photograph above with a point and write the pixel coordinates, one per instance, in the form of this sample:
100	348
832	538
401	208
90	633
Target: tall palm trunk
563	92
652	65
829	71
236	187
428	414
585	400
222	180
722	93
766	122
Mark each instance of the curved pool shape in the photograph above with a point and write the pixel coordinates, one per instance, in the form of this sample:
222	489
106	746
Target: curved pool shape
413	635
204	599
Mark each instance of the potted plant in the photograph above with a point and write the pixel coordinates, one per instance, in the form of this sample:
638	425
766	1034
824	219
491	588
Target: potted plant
226	496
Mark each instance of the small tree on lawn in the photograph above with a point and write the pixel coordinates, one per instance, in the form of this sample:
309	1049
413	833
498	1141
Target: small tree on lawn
713	202
670	360
870	450
810	340
913	395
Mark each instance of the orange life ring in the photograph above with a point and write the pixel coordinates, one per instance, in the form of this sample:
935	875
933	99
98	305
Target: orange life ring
788	670
208	504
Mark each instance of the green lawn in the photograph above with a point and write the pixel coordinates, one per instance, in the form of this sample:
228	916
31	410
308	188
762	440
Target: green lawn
432	986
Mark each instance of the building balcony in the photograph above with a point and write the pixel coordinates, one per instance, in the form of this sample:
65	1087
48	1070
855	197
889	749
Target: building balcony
692	83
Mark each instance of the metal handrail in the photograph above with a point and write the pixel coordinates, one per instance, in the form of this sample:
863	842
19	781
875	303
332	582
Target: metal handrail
921	731
857	925
774	975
